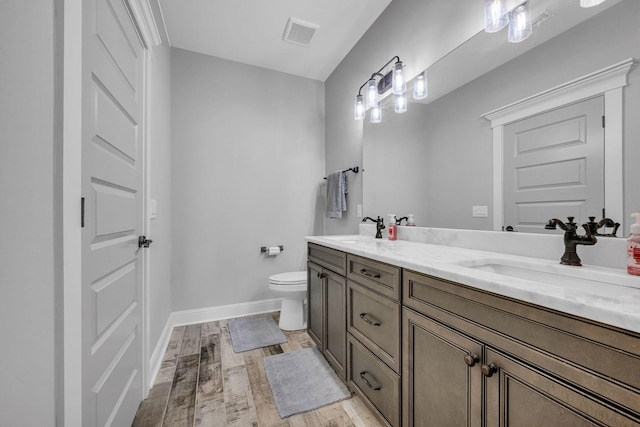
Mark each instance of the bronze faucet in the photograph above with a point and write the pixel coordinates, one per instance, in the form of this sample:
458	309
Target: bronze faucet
379	225
603	223
571	239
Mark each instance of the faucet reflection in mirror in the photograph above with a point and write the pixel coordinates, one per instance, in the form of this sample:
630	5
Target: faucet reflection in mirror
394	80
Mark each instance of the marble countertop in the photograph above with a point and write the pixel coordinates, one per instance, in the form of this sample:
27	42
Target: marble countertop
606	295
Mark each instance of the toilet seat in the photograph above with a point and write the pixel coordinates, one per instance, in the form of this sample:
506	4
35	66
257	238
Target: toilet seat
288	279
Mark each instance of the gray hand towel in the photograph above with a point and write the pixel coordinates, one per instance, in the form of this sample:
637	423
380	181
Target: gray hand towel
336	194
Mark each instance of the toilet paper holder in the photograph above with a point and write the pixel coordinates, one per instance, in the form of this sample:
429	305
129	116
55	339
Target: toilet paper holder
264	248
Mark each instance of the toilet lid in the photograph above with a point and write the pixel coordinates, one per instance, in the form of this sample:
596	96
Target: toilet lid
290	278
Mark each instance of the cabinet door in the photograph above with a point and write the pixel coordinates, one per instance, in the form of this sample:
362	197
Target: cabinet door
315	294
521	396
442	383
336	337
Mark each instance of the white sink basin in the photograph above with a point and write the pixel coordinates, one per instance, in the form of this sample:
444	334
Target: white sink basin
588	280
344	239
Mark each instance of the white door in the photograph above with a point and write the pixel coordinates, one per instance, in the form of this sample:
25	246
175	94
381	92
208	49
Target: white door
112	147
554	166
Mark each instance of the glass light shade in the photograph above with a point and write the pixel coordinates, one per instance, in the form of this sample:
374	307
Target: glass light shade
420	86
401	103
372	93
496	15
358	108
590	3
376	114
398	83
520	23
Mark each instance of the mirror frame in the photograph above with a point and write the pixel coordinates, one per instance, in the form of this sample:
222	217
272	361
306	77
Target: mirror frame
609	82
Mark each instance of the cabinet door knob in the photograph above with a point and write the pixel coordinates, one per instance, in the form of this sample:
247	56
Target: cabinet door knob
372	386
488	370
471	360
321	275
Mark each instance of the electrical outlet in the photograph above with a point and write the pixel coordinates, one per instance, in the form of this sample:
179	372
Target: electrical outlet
359	210
480	211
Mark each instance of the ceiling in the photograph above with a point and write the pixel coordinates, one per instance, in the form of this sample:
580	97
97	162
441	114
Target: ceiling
251	31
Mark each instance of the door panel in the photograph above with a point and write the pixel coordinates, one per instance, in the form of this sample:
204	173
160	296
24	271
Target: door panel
439	388
112	187
521	396
554	166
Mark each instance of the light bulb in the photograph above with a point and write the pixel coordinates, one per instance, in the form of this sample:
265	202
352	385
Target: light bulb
376	114
398	83
372	93
401	103
520	23
590	3
358	108
420	86
496	15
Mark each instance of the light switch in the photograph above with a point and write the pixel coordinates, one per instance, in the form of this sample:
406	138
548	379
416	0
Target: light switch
359	211
153	209
480	211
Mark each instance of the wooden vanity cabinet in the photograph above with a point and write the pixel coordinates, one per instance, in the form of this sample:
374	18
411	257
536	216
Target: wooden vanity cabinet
326	306
477	359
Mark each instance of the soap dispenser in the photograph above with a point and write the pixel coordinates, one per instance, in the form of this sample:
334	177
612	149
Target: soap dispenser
410	221
633	247
392	228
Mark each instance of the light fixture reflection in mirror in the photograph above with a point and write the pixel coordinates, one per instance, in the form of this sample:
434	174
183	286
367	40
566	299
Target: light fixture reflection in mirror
496	15
401	103
520	23
398	82
420	90
590	3
376	114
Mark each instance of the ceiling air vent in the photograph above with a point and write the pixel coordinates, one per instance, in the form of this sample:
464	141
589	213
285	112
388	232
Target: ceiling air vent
299	32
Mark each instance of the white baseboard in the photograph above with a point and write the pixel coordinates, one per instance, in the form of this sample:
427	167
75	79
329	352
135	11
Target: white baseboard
202	315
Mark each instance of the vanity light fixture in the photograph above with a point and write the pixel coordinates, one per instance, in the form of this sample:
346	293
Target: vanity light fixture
394	80
520	23
496	15
420	90
590	3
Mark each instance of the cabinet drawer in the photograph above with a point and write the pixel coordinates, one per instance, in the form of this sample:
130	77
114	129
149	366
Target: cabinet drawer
329	258
380	277
374	381
375	321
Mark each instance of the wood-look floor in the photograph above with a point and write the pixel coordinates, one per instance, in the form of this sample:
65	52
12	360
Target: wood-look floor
202	382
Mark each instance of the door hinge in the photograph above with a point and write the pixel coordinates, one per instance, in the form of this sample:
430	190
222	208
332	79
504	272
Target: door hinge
82	212
602	121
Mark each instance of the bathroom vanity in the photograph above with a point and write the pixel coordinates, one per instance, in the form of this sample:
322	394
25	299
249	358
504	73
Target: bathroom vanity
433	334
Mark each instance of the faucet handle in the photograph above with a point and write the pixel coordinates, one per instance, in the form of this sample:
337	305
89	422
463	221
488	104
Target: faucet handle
570	218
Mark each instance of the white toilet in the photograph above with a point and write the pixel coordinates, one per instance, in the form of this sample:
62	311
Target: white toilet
292	288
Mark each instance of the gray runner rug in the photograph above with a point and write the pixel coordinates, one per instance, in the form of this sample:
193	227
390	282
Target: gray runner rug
302	381
248	333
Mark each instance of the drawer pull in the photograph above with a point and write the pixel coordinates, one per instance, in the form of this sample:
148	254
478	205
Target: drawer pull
364	317
488	370
367	273
471	360
363	377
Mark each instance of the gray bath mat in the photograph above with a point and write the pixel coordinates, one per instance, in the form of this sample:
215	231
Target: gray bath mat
248	333
302	381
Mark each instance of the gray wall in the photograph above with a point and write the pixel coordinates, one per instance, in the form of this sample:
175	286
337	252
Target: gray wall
411	29
247	163
159	147
27	271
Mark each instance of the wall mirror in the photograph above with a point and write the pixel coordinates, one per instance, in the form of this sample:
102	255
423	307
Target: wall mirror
437	159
